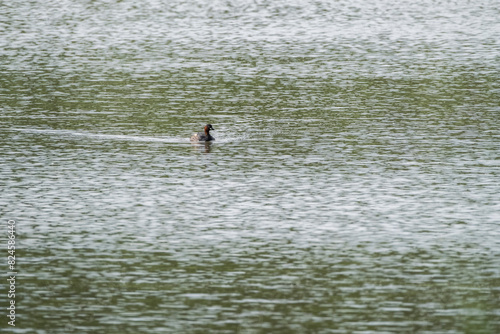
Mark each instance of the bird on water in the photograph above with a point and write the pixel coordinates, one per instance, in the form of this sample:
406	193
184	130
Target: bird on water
203	136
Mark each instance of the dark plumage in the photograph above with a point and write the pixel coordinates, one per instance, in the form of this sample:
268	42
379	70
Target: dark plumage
200	136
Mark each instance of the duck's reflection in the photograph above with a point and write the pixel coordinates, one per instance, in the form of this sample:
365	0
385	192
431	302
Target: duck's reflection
202	147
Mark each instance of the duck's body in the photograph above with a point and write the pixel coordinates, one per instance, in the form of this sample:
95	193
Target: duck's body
203	136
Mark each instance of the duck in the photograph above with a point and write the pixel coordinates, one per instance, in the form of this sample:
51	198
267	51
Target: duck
200	136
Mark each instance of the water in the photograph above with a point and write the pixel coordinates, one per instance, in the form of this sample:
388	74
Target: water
353	186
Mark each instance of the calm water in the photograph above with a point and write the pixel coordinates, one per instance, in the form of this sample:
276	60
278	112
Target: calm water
353	187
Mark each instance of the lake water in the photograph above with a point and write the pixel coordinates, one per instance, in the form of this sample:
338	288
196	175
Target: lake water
353	186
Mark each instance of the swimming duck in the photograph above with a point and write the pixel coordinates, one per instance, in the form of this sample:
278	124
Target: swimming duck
200	136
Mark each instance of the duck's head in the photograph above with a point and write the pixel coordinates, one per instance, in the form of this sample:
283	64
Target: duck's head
208	127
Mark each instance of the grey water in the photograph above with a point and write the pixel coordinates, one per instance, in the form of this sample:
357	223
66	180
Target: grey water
353	186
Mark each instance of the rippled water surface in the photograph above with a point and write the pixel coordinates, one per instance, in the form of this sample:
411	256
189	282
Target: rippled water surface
353	186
